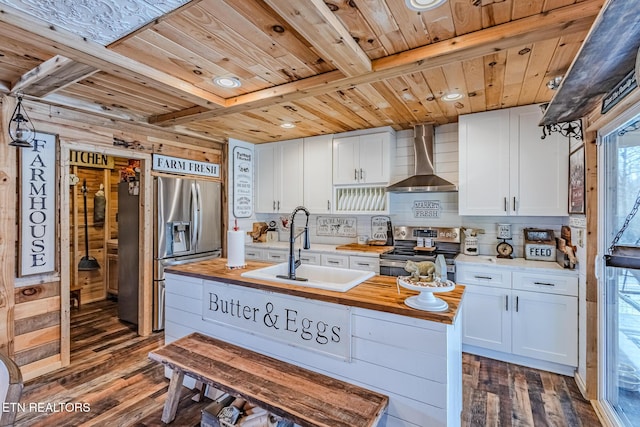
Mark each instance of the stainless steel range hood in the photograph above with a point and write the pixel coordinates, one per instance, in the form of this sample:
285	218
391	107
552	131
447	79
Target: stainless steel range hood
424	180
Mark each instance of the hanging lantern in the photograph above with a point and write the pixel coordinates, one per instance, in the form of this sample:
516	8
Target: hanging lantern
21	130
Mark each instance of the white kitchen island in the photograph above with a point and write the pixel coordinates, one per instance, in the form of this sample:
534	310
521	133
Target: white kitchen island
365	336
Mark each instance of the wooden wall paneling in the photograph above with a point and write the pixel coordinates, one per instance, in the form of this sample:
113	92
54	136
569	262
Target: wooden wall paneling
37	318
74	189
8	229
93	282
591	188
106	228
65	255
145	296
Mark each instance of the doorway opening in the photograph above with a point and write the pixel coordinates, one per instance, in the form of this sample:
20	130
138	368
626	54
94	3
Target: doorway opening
620	330
104	203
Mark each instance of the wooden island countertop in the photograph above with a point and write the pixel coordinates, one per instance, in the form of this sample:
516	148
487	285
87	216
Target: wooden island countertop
378	293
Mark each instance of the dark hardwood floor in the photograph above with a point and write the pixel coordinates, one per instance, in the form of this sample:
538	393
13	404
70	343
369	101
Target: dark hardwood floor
111	382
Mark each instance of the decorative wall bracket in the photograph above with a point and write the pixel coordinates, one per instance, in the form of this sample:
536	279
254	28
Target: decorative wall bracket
568	129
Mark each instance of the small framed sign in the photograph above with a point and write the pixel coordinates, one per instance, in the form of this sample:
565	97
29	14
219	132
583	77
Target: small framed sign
242	182
576	182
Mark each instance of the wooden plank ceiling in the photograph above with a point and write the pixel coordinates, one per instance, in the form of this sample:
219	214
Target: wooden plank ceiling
326	66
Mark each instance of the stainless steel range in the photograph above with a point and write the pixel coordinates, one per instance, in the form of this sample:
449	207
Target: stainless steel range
445	241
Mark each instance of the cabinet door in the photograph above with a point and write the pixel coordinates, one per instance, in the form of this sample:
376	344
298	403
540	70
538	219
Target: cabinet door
339	261
374	158
265	168
318	175
545	326
276	255
539	178
346	163
289	175
486	319
308	257
364	263
483	188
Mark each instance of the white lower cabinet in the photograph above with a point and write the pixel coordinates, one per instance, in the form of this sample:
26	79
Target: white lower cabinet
523	316
486	319
276	255
545	326
254	254
354	262
312	258
364	263
339	261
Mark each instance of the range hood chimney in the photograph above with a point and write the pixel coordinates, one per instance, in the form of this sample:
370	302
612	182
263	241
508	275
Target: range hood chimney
424	180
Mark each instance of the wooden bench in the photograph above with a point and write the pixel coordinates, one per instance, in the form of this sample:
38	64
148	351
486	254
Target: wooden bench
297	394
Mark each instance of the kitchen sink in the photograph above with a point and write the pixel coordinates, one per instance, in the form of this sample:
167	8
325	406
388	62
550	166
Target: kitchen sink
329	278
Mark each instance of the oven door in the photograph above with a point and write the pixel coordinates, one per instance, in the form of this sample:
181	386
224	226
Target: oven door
392	267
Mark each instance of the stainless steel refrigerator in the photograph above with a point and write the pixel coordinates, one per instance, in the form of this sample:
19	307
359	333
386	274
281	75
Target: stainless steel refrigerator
188	224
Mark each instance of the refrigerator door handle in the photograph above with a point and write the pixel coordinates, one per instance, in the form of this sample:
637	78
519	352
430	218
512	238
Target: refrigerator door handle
200	214
195	217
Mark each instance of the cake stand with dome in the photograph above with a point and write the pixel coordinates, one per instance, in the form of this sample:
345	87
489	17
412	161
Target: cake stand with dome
426	300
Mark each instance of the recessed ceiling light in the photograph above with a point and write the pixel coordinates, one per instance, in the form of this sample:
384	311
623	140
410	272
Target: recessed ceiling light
454	96
287	125
227	82
422	5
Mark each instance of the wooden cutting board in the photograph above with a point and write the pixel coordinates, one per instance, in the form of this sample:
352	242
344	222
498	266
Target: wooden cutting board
364	248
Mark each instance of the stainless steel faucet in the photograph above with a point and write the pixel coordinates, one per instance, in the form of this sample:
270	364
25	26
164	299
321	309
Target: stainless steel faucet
293	262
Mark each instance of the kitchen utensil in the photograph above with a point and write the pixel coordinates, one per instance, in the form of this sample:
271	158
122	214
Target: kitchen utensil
87	263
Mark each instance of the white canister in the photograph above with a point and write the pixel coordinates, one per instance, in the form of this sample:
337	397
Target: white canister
471	245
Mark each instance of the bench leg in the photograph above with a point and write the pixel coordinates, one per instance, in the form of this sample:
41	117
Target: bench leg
173	396
202	388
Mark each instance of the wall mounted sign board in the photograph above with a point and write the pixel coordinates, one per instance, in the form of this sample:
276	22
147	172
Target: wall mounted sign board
336	226
618	93
379	227
427	209
38	206
242	182
184	166
91	160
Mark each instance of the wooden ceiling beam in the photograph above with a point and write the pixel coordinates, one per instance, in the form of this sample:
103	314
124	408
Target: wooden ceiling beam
558	22
319	26
16	24
52	75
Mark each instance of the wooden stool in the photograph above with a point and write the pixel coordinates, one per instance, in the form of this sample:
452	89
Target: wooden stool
75	294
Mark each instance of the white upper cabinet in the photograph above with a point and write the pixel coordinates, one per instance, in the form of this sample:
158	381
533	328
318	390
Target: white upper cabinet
507	169
279	177
362	159
318	159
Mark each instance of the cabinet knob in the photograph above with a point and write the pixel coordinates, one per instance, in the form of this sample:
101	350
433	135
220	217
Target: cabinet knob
360	173
355	174
514	204
506	303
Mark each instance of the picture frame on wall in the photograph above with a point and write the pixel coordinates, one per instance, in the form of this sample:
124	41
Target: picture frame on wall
576	181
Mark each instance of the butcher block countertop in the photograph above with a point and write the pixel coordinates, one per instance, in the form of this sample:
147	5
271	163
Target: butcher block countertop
371	249
378	293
